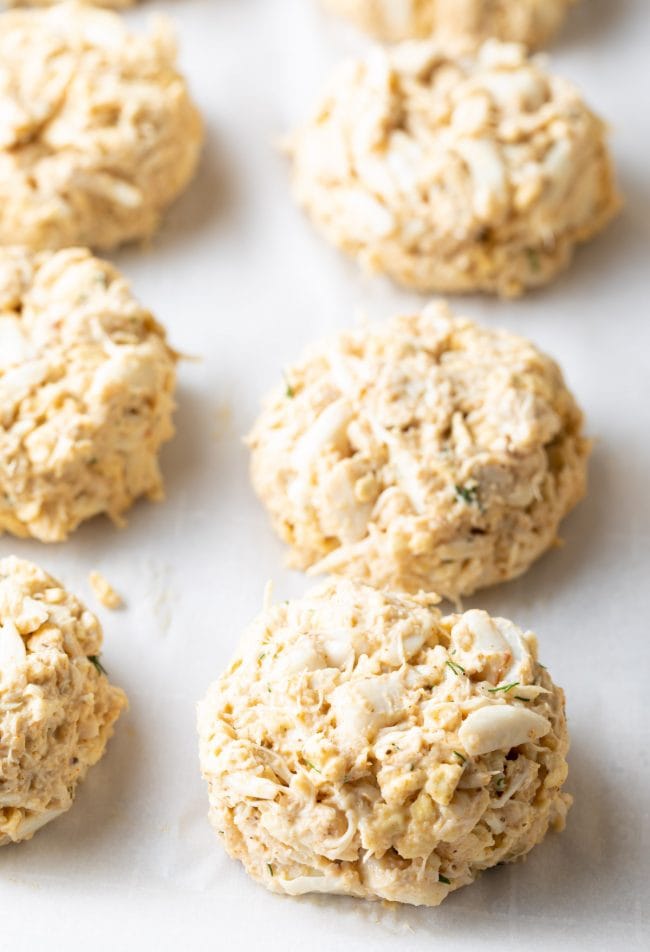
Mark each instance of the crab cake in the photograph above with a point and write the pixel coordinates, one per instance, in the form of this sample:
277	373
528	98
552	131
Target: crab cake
426	453
361	743
97	131
86	393
532	22
454	173
57	707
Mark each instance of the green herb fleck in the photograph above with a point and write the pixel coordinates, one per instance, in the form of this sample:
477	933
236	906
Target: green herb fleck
468	494
94	659
270	868
462	759
503	687
500	783
443	879
289	391
518	697
456	668
260	656
313	767
533	259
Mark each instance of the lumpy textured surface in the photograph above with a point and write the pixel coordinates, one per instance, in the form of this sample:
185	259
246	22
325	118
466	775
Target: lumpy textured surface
361	743
426	453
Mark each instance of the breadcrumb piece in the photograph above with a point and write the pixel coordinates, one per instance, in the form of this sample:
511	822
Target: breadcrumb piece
104	591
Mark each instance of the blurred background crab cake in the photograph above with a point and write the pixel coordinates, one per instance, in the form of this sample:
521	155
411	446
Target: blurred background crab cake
532	22
98	133
361	743
454	173
426	453
86	393
57	707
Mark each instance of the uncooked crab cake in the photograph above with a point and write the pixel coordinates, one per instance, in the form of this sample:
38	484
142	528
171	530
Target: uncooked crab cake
57	707
98	133
86	393
454	173
426	453
532	22
361	743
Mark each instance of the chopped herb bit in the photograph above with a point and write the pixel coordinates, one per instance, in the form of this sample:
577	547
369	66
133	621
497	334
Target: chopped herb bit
462	759
503	687
313	767
468	494
260	656
518	697
533	259
541	665
270	868
289	391
443	879
94	659
500	783
455	667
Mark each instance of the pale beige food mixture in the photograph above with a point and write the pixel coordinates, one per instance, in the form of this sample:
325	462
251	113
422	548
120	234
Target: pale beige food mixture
86	393
98	133
454	173
57	707
425	453
361	743
532	22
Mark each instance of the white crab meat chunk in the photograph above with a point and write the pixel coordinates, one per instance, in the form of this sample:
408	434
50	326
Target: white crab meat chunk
15	347
12	647
343	515
500	727
362	707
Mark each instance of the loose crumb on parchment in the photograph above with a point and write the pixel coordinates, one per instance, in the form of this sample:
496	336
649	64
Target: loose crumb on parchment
104	591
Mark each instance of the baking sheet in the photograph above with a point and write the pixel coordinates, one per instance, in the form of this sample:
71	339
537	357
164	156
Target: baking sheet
241	280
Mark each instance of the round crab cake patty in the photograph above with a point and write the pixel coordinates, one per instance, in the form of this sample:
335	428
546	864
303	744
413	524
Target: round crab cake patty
86	393
57	707
532	22
97	131
454	173
361	743
425	453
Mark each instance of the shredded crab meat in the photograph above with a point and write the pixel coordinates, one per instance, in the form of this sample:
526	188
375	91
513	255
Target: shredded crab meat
57	707
98	134
428	453
374	771
454	171
86	395
532	22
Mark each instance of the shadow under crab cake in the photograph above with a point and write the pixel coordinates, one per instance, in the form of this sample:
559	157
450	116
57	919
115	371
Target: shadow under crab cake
590	21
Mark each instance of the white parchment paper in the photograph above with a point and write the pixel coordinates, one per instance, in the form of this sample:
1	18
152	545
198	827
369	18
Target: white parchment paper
241	280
